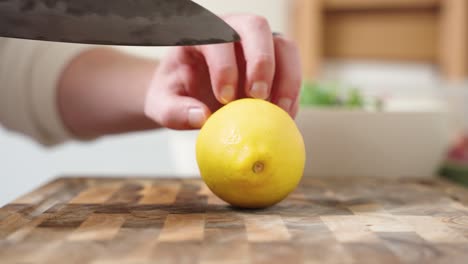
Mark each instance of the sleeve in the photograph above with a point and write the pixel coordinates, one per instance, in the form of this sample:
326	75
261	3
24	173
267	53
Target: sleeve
29	73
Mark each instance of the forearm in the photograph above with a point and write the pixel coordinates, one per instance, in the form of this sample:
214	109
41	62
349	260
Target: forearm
103	92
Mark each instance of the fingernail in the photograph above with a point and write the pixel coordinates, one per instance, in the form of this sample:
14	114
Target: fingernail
285	103
227	94
196	117
259	90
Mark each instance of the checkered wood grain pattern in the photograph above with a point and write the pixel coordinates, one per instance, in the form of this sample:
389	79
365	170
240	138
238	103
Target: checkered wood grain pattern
348	220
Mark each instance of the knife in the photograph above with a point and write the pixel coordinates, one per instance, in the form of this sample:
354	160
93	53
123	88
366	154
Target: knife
114	22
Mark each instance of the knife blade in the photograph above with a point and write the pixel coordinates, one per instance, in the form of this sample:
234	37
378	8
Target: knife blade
114	22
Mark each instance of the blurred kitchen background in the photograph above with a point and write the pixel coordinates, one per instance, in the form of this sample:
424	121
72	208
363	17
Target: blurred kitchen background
412	51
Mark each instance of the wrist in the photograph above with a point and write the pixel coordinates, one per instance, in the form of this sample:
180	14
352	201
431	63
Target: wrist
103	92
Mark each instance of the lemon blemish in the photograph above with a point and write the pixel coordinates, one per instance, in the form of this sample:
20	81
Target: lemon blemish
258	167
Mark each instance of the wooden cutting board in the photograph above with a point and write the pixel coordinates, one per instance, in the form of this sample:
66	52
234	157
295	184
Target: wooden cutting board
92	220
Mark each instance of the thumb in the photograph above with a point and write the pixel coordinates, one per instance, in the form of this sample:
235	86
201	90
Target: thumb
178	112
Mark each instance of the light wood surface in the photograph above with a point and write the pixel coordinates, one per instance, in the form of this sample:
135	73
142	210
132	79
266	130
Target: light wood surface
308	32
332	220
394	35
379	4
454	39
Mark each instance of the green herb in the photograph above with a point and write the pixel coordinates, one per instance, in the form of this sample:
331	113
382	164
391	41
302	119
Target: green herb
355	99
315	94
331	95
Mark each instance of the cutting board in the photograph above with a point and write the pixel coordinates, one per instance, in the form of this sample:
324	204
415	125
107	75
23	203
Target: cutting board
332	220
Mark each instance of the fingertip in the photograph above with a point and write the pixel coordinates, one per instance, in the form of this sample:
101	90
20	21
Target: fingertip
197	117
260	90
227	94
181	113
295	110
285	103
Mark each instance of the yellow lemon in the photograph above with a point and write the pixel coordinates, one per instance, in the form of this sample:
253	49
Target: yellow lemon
250	153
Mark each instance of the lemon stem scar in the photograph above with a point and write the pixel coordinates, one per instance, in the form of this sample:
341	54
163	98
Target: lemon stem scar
258	167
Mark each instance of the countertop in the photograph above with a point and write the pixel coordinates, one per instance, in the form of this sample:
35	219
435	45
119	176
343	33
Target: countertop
326	220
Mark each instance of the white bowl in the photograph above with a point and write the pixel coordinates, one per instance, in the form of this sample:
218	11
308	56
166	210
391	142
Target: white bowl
358	143
182	152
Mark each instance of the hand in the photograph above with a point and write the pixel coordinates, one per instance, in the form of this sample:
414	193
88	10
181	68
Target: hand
193	82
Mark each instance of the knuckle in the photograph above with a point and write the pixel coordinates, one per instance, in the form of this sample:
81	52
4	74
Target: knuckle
224	73
263	60
285	43
296	85
166	119
262	66
257	21
176	53
225	70
183	73
291	86
162	115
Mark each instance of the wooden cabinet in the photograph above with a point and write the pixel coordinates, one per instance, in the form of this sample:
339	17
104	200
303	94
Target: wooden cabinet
433	31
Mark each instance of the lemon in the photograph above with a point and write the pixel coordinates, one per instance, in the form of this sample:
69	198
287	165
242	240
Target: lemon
250	153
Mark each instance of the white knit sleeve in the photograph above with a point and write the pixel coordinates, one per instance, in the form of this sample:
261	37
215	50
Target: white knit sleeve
29	73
